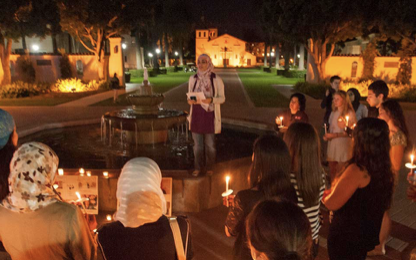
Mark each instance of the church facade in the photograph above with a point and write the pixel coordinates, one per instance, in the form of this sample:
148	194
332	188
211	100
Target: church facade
225	50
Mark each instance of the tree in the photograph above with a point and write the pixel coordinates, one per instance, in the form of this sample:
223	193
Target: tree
319	24
93	22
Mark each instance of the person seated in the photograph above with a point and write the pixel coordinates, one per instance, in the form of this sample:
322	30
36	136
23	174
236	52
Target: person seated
295	113
141	230
278	230
34	222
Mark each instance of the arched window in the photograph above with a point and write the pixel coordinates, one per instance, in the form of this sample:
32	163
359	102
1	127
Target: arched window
354	69
79	67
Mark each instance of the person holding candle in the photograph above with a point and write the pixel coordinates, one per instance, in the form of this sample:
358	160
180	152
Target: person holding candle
307	174
205	115
392	113
34	222
8	145
361	193
268	178
339	143
278	230
295	113
141	230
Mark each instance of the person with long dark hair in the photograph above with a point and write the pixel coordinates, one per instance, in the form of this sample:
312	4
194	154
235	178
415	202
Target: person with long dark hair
361	193
307	174
360	109
295	113
268	178
392	113
278	230
8	145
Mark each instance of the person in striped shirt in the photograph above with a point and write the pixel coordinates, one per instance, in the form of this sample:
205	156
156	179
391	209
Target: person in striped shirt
307	175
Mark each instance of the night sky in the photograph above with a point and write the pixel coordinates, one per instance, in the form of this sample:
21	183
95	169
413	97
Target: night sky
235	17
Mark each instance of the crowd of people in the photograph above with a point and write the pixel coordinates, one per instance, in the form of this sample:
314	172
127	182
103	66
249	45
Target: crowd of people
277	217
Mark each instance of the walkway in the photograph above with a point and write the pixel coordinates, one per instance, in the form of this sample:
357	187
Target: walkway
208	232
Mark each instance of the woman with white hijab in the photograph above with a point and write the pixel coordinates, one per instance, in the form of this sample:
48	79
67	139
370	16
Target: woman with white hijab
34	222
141	231
205	114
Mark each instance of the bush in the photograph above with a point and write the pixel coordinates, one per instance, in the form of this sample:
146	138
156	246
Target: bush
76	85
314	90
300	74
104	85
20	89
65	65
25	69
137	73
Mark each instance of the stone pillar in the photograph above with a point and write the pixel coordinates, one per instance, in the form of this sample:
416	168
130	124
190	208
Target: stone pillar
302	57
116	61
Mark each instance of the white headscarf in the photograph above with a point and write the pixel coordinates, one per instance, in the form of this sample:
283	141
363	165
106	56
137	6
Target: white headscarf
32	174
139	194
204	82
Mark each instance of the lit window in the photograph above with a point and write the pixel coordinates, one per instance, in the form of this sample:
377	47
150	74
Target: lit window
204	34
200	34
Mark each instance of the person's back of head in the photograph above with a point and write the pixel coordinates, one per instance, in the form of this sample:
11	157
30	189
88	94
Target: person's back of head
271	167
7	148
379	87
304	146
278	230
335	77
371	153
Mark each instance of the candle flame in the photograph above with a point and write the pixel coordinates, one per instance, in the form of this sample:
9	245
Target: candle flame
105	174
412	159
281	118
55	186
108	217
81	171
227	178
88	173
78	195
60	171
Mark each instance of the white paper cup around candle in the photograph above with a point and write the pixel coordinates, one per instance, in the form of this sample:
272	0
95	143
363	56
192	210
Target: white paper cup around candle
226	194
60	172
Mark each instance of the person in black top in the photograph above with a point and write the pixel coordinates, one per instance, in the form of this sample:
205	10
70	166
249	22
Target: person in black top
114	83
327	100
378	92
141	230
268	178
361	193
295	113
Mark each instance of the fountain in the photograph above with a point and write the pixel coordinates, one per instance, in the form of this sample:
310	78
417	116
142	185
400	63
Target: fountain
146	122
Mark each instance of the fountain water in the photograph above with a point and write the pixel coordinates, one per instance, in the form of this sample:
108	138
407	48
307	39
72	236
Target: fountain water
145	122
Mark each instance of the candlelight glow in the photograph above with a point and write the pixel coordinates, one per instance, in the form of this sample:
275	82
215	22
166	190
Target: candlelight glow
55	186
412	159
88	173
78	195
60	172
108	217
81	171
106	174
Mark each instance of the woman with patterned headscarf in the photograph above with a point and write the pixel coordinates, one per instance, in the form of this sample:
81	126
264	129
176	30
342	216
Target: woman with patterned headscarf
34	222
8	145
141	230
205	114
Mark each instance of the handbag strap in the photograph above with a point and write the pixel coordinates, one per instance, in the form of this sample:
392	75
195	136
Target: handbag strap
177	238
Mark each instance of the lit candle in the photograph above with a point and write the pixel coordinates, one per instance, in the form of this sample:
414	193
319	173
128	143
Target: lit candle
281	121
108	217
325	126
60	172
106	174
55	186
227	182
346	120
88	173
412	160
81	201
81	171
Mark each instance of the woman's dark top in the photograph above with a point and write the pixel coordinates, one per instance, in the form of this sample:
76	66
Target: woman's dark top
244	202
152	241
203	122
357	223
289	118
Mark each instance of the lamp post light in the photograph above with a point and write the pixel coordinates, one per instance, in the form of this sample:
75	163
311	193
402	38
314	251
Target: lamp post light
158	58
124	46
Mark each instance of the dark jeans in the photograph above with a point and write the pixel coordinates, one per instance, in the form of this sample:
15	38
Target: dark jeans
204	147
345	248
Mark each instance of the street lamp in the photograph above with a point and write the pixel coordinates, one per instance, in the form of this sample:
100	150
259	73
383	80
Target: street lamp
150	54
123	46
157	51
176	53
35	47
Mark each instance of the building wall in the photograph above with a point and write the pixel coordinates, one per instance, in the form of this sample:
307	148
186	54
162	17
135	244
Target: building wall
236	54
47	67
386	68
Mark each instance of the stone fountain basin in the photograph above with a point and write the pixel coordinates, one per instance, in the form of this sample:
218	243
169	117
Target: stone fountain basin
145	104
164	119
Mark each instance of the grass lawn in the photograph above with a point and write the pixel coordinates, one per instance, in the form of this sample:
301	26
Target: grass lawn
160	84
259	87
51	99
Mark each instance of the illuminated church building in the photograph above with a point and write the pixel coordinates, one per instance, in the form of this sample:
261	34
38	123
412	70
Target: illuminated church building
224	50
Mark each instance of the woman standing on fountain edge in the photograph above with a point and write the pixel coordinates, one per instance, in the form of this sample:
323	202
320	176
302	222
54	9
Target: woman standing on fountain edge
205	115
